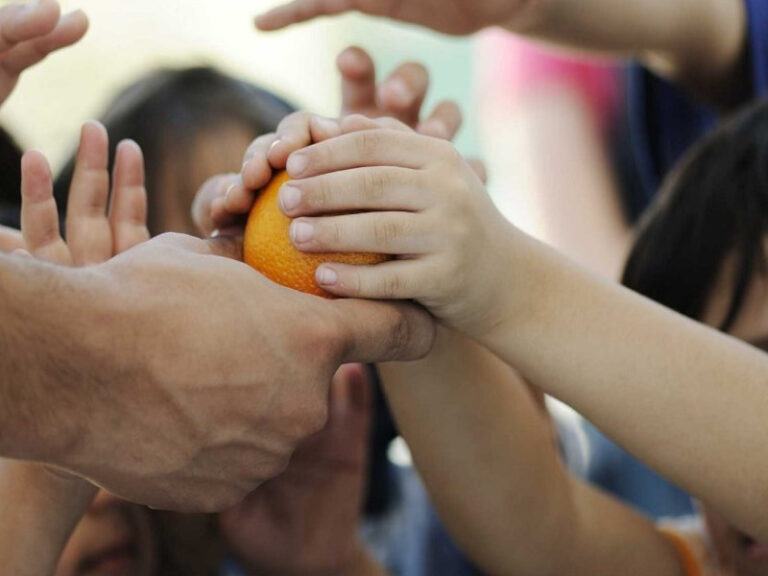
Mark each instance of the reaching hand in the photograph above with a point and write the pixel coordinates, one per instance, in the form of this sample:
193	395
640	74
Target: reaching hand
94	233
305	521
450	16
409	195
29	33
223	201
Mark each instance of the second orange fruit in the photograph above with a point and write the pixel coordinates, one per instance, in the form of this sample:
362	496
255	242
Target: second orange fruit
267	246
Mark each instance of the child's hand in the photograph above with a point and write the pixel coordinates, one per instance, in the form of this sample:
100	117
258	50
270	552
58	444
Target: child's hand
94	234
223	201
305	521
29	33
424	203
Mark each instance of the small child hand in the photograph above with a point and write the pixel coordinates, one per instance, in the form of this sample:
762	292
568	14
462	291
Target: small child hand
30	32
423	203
222	203
94	234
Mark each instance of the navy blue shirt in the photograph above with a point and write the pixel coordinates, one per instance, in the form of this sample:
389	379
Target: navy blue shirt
665	121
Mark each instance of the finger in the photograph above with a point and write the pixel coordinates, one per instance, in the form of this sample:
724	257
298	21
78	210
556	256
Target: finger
444	122
22	22
377	232
381	332
10	239
402	94
376	188
349	396
257	170
358	81
39	216
300	11
394	280
70	30
479	168
88	231
298	131
365	148
202	212
128	210
359	122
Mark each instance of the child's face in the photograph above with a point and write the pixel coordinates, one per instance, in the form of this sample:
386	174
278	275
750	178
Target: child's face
744	555
213	152
114	538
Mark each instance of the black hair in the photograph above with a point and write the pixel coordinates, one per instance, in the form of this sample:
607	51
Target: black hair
167	109
10	180
712	207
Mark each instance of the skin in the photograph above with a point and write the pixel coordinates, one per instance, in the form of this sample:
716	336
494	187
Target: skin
254	521
555	521
525	303
705	53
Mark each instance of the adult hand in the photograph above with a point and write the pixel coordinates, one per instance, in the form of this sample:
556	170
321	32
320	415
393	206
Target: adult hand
450	16
305	521
223	201
30	32
191	378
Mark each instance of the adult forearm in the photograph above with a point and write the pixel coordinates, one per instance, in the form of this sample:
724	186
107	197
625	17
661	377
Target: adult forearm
39	510
686	399
42	371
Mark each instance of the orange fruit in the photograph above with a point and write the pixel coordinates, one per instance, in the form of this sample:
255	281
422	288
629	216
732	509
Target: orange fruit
267	246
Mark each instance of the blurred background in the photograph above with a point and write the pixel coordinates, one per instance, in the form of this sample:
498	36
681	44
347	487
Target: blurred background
536	131
127	39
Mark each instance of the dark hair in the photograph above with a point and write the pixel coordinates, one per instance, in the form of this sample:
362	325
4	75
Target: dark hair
167	109
713	206
10	180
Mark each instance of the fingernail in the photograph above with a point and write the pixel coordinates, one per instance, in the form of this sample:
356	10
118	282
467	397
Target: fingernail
326	276
274	144
289	198
302	232
297	164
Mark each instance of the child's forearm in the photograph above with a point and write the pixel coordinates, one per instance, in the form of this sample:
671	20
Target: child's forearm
704	52
39	511
486	451
687	400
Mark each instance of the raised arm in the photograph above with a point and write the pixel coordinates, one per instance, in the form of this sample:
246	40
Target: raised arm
485	449
699	43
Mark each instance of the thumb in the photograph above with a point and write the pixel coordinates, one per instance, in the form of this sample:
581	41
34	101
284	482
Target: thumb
382	331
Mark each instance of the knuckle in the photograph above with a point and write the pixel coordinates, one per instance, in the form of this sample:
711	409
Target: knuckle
399	336
386	232
367	142
392	286
376	183
318	195
316	419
